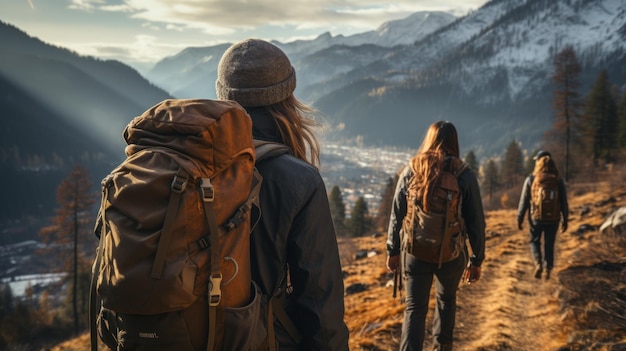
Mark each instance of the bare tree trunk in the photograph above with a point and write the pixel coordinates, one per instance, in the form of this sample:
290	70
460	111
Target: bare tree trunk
75	288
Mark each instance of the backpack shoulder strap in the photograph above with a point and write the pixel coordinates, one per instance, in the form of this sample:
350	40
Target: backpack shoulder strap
458	169
269	149
266	150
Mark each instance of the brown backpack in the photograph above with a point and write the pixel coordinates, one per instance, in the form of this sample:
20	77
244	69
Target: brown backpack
437	235
174	228
544	197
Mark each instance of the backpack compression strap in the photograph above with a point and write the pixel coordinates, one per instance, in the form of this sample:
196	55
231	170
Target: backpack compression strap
99	231
215	281
178	186
93	297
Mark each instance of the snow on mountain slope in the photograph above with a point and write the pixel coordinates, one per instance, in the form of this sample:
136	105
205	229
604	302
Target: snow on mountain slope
404	31
519	39
528	44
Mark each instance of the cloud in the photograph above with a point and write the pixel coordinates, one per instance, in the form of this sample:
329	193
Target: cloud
222	17
86	5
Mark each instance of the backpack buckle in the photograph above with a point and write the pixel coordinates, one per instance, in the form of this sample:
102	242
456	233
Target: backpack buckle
208	194
179	183
215	291
203	243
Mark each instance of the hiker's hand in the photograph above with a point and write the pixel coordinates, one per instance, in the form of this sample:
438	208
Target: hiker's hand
472	274
564	227
520	225
393	262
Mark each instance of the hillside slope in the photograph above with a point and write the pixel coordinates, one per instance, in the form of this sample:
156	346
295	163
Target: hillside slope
508	309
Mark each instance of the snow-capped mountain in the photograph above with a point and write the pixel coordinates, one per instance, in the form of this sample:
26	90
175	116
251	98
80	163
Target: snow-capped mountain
489	71
398	32
186	74
521	37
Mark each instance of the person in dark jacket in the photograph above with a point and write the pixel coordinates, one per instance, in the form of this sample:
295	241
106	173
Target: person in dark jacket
440	145
543	163
294	251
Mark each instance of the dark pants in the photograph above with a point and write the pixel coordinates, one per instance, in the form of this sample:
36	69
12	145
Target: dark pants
419	279
549	236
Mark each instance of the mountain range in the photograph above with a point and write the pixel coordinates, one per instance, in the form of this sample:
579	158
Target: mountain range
488	72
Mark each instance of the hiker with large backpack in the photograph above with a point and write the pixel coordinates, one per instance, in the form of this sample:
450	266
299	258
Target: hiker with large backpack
545	198
436	209
172	269
294	251
215	231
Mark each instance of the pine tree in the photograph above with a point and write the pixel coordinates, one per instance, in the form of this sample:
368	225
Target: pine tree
566	102
621	121
6	310
470	159
359	221
600	121
529	163
337	210
73	220
490	177
512	165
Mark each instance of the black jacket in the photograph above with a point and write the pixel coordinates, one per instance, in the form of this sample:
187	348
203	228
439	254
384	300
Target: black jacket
296	231
471	211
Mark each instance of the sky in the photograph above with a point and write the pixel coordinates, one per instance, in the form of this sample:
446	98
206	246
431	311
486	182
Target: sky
141	32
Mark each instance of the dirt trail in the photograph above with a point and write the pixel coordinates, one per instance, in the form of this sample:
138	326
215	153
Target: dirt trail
508	309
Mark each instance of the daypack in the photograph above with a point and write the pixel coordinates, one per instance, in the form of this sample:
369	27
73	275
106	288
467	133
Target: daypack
172	270
544	197
437	235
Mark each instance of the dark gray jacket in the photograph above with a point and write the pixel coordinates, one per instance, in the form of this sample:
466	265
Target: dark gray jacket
471	211
296	231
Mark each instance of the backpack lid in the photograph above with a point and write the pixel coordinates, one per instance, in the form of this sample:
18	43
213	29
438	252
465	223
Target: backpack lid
202	129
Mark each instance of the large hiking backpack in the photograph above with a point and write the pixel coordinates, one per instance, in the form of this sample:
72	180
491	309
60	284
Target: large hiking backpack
174	228
544	197
437	235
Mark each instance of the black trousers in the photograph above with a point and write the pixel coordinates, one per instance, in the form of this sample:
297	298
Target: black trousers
549	236
418	281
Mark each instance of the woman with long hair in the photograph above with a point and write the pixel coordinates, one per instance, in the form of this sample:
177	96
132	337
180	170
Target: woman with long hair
294	252
439	151
540	225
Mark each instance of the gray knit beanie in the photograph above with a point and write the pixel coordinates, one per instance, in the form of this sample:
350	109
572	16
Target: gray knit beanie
254	72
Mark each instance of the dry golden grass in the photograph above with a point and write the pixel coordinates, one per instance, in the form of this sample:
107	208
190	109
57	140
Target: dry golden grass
508	309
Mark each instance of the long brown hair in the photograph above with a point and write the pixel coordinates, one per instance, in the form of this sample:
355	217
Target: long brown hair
295	121
441	140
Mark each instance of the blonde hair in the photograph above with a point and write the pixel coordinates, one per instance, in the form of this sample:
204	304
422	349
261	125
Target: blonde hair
295	121
441	140
545	164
